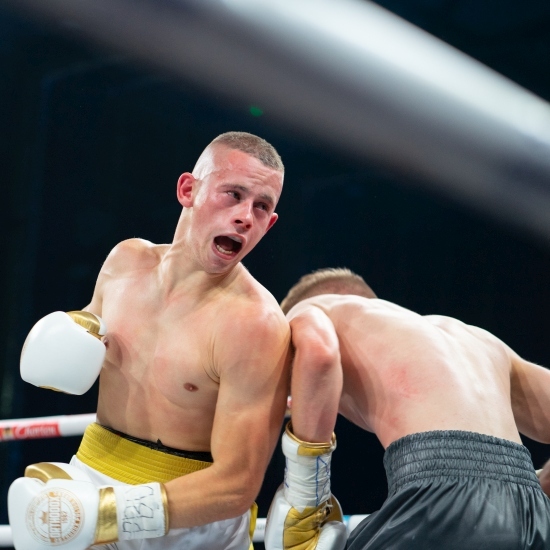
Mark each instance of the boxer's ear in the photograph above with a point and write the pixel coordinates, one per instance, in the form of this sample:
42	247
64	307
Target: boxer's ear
272	220
186	184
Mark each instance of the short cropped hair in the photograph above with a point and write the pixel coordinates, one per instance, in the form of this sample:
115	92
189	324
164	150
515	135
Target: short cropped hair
252	145
330	280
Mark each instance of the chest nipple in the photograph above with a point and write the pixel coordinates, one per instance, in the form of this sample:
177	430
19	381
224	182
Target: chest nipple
190	387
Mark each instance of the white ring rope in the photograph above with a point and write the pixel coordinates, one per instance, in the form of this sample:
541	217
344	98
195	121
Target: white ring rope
45	426
75	424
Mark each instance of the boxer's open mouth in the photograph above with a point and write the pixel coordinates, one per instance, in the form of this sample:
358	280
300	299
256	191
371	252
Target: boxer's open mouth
228	245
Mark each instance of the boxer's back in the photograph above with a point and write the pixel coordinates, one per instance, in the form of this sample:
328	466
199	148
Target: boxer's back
406	373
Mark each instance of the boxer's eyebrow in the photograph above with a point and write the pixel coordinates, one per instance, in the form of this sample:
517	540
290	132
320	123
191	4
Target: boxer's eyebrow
237	187
266	197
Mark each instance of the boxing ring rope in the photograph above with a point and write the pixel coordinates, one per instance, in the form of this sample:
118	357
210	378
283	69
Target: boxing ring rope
69	425
45	426
348	73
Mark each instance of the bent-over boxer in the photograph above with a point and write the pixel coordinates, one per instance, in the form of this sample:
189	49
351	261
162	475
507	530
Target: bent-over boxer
446	400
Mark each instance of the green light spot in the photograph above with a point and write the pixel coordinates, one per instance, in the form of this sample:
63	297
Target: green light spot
255	111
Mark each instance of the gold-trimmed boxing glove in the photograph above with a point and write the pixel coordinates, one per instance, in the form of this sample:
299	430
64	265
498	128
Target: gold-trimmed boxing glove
64	352
303	514
55	504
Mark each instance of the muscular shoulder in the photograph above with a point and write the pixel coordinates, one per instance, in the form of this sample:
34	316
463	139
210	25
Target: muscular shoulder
473	337
342	306
456	327
130	255
250	312
259	312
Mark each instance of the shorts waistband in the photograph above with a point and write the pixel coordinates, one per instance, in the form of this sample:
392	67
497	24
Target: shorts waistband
160	446
130	461
452	453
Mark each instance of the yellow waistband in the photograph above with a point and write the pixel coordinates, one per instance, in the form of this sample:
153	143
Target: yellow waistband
131	462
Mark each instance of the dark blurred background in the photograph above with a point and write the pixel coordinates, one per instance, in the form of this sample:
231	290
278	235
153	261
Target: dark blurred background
93	143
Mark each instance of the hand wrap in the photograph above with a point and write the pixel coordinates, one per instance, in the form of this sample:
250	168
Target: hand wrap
303	514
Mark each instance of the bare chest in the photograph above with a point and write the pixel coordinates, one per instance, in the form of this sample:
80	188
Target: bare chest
163	349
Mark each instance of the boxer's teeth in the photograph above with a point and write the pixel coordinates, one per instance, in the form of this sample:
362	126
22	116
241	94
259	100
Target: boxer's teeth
223	250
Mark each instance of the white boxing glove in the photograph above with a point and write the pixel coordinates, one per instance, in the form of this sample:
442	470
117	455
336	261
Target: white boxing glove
304	515
68	510
64	352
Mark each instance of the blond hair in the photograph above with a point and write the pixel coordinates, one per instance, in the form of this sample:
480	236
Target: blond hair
330	280
252	145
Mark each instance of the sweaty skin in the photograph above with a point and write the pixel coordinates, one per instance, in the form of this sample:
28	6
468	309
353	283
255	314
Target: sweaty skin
197	350
403	373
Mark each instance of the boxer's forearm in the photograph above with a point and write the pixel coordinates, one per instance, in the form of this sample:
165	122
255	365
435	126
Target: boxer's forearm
315	390
317	380
209	495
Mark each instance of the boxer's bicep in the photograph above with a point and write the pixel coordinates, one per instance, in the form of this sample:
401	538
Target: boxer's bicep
254	385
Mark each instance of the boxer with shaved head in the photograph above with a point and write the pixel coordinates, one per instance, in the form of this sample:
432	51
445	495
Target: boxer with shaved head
192	354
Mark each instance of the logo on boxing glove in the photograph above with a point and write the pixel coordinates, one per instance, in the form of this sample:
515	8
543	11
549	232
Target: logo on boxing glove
55	516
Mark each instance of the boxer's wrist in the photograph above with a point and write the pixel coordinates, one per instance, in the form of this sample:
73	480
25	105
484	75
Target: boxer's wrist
307	472
303	513
141	510
307	448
